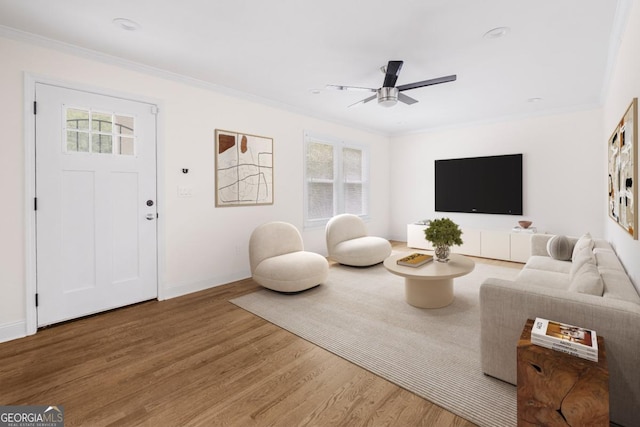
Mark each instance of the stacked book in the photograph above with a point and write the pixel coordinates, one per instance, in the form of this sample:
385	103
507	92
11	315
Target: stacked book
569	339
415	260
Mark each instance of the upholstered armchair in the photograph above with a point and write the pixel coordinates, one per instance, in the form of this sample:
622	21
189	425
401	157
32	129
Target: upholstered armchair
348	242
279	262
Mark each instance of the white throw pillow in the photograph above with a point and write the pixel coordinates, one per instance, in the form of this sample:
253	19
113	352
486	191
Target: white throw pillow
583	242
559	247
587	280
581	257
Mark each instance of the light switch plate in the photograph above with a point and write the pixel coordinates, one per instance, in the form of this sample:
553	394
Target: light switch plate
185	191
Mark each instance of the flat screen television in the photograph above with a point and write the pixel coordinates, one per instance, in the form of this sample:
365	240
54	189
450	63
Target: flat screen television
489	185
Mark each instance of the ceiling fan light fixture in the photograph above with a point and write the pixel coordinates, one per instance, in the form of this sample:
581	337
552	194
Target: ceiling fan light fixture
387	96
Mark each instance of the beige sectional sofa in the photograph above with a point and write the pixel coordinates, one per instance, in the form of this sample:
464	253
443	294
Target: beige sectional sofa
591	290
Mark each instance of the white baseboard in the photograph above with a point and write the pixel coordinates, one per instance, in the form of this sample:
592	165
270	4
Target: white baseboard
12	331
180	289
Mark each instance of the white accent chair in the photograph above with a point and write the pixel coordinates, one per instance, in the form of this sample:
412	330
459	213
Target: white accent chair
349	244
279	262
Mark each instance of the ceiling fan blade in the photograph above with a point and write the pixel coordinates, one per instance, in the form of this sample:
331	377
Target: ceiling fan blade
423	83
391	76
364	101
351	88
406	99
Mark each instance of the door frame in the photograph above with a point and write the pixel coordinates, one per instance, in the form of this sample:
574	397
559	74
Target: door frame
29	135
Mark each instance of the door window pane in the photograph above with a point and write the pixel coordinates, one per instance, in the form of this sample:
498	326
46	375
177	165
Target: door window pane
77	141
101	143
77	119
101	122
124	125
99	132
77	124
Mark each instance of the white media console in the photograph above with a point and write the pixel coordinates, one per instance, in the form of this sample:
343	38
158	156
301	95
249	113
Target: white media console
504	245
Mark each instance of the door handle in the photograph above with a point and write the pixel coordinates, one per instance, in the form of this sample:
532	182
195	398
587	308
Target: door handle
150	216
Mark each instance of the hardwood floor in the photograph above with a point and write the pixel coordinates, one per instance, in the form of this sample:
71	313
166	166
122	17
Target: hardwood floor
198	360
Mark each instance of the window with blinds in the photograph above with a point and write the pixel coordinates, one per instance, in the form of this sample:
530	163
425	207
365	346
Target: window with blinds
336	179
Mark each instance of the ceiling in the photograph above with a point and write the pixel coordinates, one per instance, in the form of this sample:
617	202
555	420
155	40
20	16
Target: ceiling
284	52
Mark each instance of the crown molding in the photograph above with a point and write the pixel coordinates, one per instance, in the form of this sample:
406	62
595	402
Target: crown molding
69	48
620	21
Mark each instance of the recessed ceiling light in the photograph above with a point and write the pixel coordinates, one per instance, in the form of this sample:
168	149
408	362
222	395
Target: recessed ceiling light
126	24
497	32
315	91
534	99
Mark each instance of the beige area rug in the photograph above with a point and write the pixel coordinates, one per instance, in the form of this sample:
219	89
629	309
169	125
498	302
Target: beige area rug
361	315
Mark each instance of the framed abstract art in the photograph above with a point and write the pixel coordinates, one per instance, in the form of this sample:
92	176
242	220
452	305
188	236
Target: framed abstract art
244	169
622	168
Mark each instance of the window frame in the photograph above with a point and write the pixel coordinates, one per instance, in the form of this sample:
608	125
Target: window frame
339	182
115	134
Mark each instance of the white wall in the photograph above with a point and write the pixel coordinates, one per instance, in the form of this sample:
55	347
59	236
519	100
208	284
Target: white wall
562	172
204	245
624	86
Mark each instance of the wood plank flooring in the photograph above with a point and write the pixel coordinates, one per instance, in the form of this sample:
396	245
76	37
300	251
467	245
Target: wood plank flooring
198	360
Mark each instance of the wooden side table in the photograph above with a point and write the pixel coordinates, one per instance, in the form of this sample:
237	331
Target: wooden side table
558	389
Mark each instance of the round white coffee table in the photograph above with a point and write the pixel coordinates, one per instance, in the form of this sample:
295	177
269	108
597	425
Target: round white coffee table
430	285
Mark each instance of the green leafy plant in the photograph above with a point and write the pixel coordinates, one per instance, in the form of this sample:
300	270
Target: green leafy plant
443	231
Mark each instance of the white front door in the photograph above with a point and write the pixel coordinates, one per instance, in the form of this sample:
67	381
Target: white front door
96	237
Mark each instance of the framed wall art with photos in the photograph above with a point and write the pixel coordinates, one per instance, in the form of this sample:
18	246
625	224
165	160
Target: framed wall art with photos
622	168
244	169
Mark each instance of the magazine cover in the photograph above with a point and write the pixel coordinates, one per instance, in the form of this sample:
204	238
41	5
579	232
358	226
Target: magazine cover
575	336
